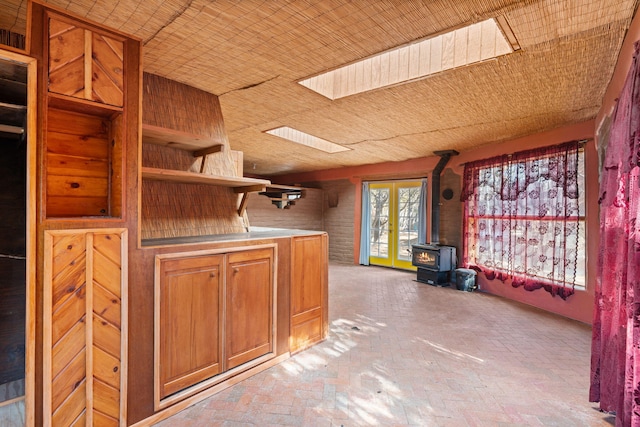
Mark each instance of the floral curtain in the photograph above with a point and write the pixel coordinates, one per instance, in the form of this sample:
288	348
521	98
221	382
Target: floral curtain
615	353
524	218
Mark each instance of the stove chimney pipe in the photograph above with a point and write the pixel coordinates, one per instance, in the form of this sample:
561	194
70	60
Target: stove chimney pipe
435	192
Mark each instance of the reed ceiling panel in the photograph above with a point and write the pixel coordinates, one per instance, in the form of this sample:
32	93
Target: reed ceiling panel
252	54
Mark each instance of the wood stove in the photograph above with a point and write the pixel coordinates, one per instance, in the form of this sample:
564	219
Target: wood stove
435	263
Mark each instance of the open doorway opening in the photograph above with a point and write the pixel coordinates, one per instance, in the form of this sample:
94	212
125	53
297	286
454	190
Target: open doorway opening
16	204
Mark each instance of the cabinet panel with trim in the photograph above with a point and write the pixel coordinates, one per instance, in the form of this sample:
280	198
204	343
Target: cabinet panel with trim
308	291
189	321
249	306
214	317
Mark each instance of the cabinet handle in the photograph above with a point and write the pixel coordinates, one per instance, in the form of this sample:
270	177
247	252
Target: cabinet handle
236	270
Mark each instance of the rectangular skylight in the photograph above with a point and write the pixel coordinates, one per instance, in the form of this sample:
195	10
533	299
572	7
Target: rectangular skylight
478	42
299	137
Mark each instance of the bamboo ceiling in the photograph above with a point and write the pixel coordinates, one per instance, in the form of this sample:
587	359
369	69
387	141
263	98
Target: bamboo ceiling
252	53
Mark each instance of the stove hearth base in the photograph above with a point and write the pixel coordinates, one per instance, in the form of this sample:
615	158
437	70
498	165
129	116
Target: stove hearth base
434	278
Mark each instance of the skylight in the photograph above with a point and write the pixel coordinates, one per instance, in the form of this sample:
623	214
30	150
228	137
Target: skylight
299	137
478	42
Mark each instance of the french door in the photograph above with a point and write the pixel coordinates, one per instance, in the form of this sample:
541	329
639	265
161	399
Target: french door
394	215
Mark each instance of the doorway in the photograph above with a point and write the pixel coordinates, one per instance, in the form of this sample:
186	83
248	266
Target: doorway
17	241
394	213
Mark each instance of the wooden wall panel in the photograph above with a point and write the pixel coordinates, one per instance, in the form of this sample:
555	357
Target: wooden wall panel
308	291
85	327
78	164
66	58
190	347
85	64
106	69
249	306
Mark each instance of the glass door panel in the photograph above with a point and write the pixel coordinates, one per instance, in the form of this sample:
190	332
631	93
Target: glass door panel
379	208
408	199
393	208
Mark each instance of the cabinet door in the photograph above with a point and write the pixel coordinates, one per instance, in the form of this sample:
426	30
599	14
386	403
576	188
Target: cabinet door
85	327
249	306
85	64
308	291
189	321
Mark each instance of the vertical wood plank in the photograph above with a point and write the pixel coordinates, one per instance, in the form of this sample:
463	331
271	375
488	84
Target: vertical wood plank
425	58
460	47
435	63
414	61
474	49
448	47
88	73
89	328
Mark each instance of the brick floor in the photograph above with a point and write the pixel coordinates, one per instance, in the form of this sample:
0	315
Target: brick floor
402	353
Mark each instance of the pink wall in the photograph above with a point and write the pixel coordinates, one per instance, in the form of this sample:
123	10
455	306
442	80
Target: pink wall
580	305
622	68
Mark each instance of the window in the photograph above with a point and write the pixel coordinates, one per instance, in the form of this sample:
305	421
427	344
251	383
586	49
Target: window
524	218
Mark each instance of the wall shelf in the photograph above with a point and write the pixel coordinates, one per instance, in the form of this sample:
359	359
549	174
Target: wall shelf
177	139
239	184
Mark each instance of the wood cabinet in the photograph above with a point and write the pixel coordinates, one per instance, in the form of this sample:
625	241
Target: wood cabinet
249	306
214	314
85	327
88	92
309	293
189	320
85	64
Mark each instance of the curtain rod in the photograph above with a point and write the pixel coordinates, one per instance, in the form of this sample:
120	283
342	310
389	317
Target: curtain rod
581	144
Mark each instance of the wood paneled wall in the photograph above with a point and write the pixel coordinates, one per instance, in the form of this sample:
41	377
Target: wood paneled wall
120	107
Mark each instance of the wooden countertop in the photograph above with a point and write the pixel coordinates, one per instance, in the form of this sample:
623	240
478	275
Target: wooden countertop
254	234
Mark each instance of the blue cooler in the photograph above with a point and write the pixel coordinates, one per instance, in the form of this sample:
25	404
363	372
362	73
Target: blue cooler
466	279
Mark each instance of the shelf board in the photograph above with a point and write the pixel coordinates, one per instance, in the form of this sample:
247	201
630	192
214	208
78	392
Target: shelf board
83	106
177	139
238	183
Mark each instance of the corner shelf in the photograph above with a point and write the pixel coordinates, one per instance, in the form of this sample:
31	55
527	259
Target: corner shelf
239	184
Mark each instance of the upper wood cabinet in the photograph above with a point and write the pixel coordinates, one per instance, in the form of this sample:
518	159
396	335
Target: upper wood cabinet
85	64
309	293
88	97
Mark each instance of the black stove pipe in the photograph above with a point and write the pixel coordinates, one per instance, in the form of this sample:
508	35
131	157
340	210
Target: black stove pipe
435	192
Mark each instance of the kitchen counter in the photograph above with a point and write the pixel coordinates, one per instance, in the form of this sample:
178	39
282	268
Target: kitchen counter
254	234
